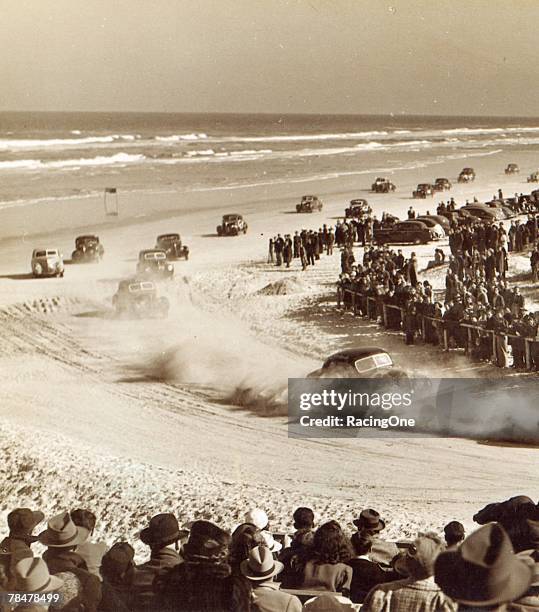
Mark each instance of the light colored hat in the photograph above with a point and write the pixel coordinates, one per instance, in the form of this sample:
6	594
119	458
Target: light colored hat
260	565
271	542
32	575
62	532
328	603
257	517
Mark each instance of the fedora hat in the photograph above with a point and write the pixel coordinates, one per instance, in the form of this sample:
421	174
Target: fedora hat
370	520
328	602
22	521
260	565
484	571
62	532
206	541
163	529
418	561
32	575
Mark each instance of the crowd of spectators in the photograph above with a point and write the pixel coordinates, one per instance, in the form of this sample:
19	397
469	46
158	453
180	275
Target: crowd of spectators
201	567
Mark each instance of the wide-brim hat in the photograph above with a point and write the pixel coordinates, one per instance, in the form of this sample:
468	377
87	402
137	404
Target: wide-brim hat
32	576
370	519
260	565
484	570
22	521
62	532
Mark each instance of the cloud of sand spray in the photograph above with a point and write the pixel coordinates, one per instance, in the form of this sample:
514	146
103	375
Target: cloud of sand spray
218	351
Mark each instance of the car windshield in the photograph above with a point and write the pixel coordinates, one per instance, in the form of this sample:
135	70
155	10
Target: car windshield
139	287
40	254
373	362
154	255
169	238
52	253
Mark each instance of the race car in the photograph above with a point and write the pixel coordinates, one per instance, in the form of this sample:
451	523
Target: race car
361	362
153	263
47	262
87	249
309	204
139	298
232	225
172	245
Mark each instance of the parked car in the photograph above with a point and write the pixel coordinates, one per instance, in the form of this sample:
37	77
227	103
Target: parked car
467	175
355	363
382	185
481	211
440	219
87	249
47	262
442	184
413	231
308	204
512	169
433	225
139	298
358	208
508	212
423	190
153	262
232	225
172	245
533	178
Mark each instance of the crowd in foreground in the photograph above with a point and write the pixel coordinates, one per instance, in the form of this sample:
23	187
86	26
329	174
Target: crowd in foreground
202	567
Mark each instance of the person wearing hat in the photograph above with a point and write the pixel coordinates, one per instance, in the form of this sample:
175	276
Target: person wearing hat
484	572
259	569
61	538
454	534
257	517
369	525
118	571
32	576
302	539
418	591
162	536
244	538
204	581
91	552
21	523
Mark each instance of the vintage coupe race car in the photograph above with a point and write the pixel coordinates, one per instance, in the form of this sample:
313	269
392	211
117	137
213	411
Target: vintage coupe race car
382	185
359	362
153	262
47	262
232	225
533	178
87	249
467	175
442	184
423	190
309	203
484	212
172	245
412	231
512	169
139	298
358	208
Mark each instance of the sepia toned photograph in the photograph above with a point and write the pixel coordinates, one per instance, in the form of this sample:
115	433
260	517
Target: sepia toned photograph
269	305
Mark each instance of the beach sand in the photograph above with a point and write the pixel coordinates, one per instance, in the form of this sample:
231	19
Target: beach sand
131	418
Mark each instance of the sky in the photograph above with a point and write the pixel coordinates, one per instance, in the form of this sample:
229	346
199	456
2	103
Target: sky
473	57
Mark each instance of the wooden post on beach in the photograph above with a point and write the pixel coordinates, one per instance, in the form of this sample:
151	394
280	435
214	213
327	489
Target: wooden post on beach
528	354
384	313
446	340
495	356
469	343
423	325
368	308
353	302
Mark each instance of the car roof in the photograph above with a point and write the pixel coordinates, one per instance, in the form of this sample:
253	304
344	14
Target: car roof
358	201
352	354
171	235
232	216
87	237
424	185
146	251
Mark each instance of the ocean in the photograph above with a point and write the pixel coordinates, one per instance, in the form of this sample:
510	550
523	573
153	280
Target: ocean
61	155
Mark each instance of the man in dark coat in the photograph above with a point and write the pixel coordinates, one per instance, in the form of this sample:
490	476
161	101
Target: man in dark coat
21	523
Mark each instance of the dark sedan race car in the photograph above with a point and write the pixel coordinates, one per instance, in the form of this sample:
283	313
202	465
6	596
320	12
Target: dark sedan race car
361	362
415	232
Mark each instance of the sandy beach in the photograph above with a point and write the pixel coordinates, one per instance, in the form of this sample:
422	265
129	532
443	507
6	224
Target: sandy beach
139	416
